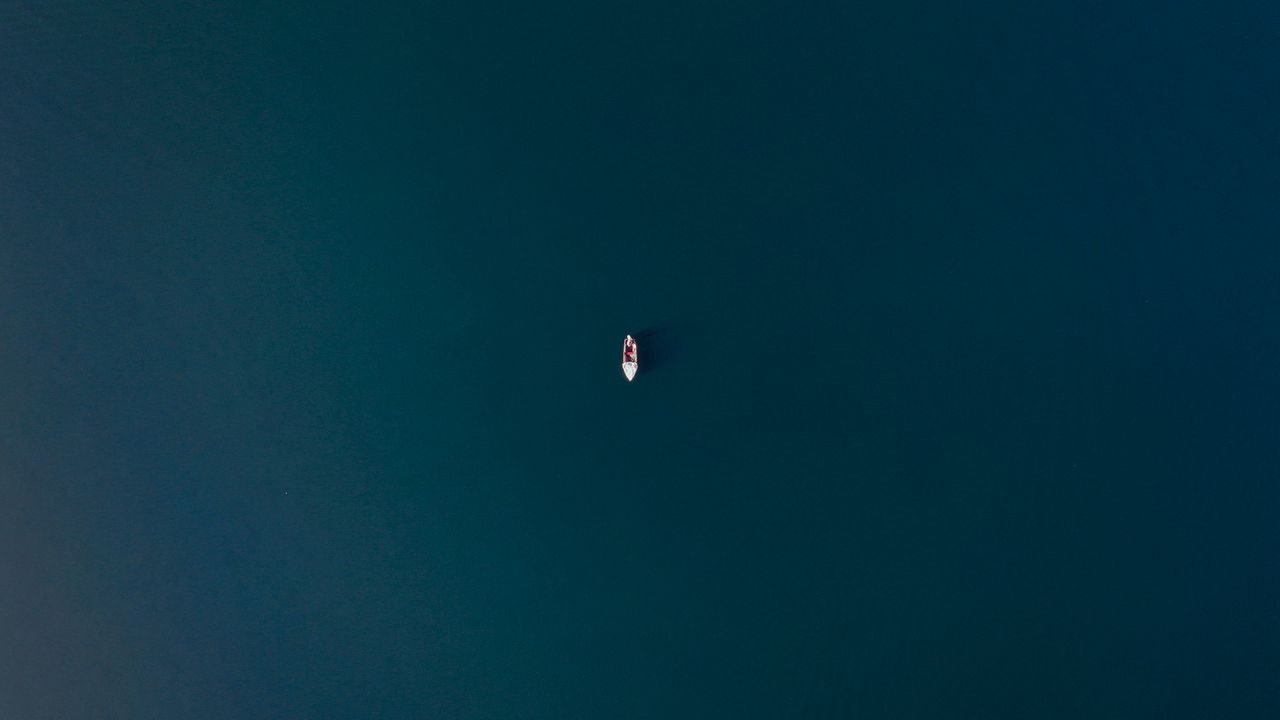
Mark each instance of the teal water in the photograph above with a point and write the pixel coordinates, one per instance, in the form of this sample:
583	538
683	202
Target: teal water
958	357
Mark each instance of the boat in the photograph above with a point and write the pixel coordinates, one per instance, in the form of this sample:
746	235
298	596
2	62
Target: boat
629	358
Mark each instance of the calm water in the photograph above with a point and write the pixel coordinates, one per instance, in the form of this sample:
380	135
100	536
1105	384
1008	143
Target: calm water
958	334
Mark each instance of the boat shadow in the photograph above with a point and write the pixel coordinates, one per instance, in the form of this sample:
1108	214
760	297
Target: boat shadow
658	345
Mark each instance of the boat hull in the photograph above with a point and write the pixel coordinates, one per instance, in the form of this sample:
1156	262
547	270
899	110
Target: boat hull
630	359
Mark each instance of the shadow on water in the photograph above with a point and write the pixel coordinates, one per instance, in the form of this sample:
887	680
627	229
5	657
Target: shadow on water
658	346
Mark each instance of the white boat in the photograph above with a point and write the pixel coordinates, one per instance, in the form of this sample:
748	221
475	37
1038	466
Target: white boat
630	360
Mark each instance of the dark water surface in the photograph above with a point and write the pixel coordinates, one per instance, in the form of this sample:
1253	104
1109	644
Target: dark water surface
960	333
